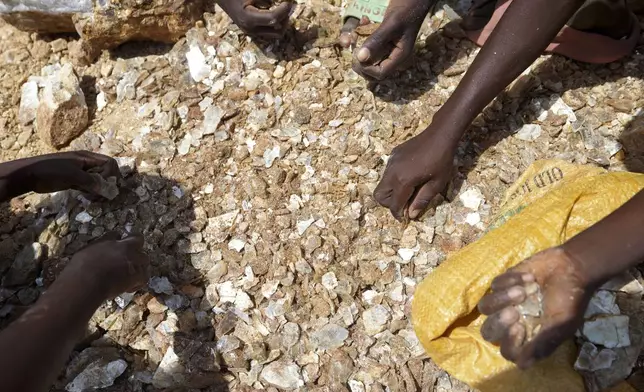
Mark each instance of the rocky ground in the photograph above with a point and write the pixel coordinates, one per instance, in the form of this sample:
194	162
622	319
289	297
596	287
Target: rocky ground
273	267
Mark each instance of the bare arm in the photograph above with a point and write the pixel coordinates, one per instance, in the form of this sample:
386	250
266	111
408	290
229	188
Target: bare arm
34	348
524	32
612	245
421	167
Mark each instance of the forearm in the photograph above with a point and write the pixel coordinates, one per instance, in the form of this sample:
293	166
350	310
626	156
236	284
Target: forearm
40	341
523	33
613	244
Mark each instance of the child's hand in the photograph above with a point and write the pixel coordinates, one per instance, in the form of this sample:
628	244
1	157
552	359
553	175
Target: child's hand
61	171
565	296
115	266
257	21
391	46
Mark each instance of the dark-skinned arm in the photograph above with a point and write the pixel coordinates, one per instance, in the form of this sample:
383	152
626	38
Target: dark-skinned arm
612	245
55	172
41	340
35	347
421	167
523	33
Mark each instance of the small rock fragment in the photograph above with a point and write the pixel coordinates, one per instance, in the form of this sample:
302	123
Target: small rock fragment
592	359
602	302
303	225
199	69
236	244
161	285
108	188
329	281
329	337
97	375
375	319
529	132
472	198
610	331
29	102
270	155
83	217
282	375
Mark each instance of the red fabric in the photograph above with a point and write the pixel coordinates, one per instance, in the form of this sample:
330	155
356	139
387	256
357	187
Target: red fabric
572	43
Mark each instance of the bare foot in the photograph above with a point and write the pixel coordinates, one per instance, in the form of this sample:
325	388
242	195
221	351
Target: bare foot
535	306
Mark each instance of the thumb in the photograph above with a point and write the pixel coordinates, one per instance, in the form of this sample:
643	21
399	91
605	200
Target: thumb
378	45
423	197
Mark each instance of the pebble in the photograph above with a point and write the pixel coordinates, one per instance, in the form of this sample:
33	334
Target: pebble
161	285
529	132
375	319
609	331
282	375
329	337
329	281
472	198
97	376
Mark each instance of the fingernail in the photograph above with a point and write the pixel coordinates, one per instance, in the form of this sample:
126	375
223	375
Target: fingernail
528	277
516	293
508	316
345	40
363	55
413	214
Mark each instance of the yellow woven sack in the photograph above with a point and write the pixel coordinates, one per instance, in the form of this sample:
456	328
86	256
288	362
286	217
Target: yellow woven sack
549	204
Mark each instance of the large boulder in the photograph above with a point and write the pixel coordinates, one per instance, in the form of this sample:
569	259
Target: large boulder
105	24
44	16
55	101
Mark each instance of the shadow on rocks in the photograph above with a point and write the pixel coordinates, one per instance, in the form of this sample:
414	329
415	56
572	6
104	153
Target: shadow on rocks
164	333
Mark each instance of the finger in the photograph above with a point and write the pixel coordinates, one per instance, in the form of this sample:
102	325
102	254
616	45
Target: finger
423	197
107	165
347	32
551	336
399	200
111	169
379	44
141	263
511	344
497	325
511	278
383	193
71	177
274	17
395	60
498	300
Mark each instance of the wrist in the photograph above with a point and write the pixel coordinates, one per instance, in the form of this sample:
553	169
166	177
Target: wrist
586	269
445	131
